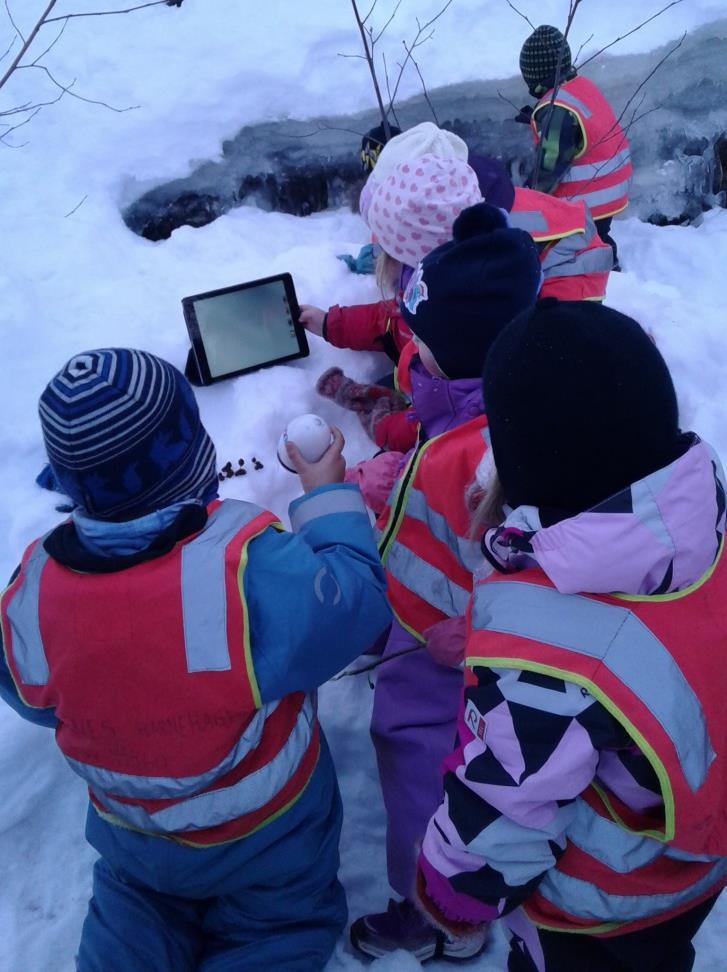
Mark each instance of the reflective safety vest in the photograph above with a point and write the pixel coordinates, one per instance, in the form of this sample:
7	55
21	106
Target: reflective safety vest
423	531
150	672
657	664
601	172
574	259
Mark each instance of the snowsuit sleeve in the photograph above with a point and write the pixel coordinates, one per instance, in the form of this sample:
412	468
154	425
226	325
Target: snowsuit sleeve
9	692
316	597
529	744
560	145
367	327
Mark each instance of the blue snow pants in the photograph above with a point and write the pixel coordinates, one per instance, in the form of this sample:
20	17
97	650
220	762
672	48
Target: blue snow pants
270	901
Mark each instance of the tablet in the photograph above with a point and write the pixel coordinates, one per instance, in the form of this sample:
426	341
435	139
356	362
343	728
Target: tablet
240	329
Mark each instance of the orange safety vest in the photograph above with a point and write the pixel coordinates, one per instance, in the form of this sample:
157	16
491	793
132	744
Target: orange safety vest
402	378
150	673
654	662
574	259
423	530
601	173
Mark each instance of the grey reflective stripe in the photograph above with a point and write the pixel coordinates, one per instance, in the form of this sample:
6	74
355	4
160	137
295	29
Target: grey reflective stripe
24	620
592	170
616	637
584	900
529	220
204	594
169	787
570	99
466	551
215	807
601	196
332	501
426	581
564	260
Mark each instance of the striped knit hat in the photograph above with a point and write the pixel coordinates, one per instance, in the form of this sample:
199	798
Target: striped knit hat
123	434
539	60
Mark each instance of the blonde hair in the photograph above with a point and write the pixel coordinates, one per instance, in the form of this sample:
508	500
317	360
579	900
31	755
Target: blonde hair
388	272
485	501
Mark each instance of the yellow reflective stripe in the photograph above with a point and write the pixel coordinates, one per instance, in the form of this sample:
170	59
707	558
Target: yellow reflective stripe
397	504
247	647
607	926
667	794
676	595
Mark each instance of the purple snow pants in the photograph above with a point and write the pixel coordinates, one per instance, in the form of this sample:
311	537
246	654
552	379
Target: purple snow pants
413	727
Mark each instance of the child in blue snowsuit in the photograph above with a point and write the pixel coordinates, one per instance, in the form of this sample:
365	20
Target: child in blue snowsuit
175	643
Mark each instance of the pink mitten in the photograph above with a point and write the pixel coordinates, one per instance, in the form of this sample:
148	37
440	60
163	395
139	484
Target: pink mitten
348	393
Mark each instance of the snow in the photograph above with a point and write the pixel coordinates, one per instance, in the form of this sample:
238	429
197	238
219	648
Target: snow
72	277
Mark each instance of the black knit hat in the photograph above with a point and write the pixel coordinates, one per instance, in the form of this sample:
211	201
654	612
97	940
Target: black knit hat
372	143
580	404
464	292
539	60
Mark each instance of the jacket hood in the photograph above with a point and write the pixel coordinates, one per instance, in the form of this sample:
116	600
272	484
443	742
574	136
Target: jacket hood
442	404
659	535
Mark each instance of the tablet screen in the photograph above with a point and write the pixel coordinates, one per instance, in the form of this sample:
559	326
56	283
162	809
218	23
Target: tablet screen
245	328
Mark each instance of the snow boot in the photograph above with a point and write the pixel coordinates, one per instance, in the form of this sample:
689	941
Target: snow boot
402	926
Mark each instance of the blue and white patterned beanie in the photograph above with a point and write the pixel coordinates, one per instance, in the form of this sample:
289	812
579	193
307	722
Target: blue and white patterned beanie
123	434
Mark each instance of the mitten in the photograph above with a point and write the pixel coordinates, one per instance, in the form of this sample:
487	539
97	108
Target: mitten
364	262
383	406
524	115
350	394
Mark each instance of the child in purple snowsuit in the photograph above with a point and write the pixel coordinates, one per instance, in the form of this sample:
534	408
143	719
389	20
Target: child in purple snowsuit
459	298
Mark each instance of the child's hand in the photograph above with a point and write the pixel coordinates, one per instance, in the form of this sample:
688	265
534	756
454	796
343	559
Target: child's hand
330	468
312	318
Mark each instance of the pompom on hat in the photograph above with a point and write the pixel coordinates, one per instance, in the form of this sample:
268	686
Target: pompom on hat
413	210
423	139
464	293
123	434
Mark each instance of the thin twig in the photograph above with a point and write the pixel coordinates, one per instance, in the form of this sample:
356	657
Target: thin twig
15	26
383	29
325	128
73	94
77	206
388	89
505	98
424	89
368	51
633	30
373	7
520	13
52	44
417	42
28	42
105	13
14	128
7	49
586	41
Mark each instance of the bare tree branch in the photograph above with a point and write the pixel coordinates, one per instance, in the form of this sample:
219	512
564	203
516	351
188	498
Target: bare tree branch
548	114
520	13
66	88
15	26
105	13
7	49
633	30
31	37
52	43
373	7
424	87
368	51
388	88
505	98
383	29
417	42
586	41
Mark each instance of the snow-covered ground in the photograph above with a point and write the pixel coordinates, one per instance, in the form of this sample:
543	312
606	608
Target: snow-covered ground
73	277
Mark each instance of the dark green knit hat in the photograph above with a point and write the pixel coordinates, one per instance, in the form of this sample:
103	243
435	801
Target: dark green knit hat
539	60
